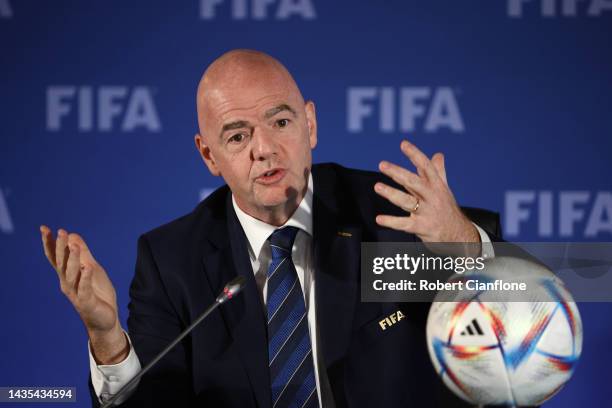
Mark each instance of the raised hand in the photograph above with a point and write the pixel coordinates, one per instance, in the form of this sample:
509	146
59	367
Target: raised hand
87	286
434	213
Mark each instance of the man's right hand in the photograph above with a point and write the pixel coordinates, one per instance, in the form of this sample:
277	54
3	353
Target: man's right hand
87	286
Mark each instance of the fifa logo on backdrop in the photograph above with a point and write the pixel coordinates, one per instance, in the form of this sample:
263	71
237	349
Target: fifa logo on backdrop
406	109
578	213
559	8
258	9
5	9
104	109
6	224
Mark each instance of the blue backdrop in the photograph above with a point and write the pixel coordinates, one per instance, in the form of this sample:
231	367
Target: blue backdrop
98	115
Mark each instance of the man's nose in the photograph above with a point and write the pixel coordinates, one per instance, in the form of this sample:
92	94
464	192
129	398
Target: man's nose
264	144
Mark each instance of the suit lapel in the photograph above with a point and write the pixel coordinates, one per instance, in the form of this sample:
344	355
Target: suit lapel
337	248
226	257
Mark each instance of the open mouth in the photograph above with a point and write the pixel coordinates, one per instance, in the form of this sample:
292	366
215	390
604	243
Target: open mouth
271	176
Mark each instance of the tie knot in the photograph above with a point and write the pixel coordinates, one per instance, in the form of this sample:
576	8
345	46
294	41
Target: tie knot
282	239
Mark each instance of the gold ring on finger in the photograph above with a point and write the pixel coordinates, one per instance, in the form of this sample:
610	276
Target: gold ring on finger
416	206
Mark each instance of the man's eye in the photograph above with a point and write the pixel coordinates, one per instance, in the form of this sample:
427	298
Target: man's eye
281	123
237	138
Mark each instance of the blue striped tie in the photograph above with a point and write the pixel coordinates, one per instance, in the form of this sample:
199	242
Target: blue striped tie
289	349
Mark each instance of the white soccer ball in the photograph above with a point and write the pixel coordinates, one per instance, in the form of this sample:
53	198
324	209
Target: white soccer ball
493	352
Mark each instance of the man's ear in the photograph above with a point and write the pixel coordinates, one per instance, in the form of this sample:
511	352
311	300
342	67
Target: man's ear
206	155
311	120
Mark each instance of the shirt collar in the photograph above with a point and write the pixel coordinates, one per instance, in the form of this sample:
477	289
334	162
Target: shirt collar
257	232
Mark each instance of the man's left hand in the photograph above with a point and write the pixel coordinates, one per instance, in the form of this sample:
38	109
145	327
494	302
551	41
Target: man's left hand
432	212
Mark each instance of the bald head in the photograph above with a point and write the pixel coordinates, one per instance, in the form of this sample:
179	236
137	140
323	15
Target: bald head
257	133
239	72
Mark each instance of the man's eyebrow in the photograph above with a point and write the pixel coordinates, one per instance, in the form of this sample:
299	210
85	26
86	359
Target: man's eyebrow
239	124
282	107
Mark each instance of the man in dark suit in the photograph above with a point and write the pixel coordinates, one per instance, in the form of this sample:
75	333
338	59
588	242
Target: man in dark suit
298	335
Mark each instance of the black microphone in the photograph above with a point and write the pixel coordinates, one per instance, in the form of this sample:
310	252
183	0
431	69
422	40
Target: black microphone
230	290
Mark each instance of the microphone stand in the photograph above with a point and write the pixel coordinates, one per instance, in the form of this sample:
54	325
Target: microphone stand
229	291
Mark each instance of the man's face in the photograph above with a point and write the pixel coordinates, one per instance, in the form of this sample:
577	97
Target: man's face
258	135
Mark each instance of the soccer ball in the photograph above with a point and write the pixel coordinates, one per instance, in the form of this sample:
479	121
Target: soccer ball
513	353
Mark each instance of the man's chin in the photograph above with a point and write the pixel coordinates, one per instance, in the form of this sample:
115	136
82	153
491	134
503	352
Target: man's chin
278	201
274	204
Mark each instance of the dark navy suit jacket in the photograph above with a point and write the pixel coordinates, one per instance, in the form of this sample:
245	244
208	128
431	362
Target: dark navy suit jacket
182	266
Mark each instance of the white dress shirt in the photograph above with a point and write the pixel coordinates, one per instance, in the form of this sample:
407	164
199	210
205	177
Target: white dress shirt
108	379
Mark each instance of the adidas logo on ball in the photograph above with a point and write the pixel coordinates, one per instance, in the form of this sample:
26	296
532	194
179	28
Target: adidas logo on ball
472	329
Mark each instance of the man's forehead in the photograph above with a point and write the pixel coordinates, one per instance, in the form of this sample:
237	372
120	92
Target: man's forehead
232	124
253	102
263	109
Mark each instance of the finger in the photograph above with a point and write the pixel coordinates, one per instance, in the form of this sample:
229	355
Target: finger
404	177
60	252
406	224
73	266
401	199
438	163
48	244
85	287
419	159
76	239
